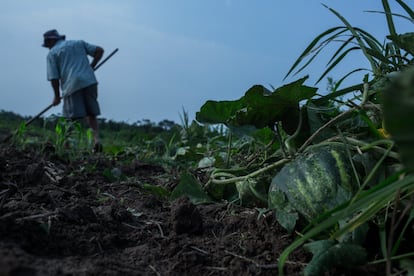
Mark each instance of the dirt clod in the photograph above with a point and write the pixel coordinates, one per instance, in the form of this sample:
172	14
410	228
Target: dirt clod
186	217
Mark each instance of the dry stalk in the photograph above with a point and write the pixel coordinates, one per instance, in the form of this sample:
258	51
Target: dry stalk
47	214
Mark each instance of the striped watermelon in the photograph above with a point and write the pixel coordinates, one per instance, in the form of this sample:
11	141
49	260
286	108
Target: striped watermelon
316	181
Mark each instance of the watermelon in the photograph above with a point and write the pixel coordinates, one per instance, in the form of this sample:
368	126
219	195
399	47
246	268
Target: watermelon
313	183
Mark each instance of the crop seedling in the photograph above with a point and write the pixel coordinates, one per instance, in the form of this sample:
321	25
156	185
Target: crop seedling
70	136
19	137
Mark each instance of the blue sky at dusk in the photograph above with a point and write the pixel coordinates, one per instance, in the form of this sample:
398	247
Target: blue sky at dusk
174	55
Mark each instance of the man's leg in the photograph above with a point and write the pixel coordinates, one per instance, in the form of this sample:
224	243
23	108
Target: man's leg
93	124
90	95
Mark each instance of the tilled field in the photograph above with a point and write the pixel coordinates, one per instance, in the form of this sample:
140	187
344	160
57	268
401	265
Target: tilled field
58	218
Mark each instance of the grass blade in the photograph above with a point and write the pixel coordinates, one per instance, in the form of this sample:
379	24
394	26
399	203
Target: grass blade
332	66
391	26
357	37
370	40
341	48
406	8
388	15
396	15
380	57
310	48
308	62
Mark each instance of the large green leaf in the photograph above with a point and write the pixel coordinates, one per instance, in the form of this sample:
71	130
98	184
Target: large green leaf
191	188
259	107
327	254
319	115
219	112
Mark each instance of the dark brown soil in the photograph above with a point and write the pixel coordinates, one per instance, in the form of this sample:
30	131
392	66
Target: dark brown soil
59	218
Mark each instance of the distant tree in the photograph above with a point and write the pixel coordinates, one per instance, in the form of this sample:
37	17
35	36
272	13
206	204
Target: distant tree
167	124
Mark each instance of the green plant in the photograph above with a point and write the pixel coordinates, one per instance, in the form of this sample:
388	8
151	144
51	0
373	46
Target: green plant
303	121
383	59
70	136
259	108
19	135
375	198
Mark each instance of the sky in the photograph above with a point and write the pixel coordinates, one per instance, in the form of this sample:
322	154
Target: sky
174	55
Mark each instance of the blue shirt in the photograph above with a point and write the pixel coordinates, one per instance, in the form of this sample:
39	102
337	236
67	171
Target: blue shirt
68	61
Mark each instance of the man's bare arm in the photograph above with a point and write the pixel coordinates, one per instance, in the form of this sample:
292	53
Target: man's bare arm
55	85
97	56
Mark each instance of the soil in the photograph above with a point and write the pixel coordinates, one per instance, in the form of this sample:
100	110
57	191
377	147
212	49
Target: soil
61	218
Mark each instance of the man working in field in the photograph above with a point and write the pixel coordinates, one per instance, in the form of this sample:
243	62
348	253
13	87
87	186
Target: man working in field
69	70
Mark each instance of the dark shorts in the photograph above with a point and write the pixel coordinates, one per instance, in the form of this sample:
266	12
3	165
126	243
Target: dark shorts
82	103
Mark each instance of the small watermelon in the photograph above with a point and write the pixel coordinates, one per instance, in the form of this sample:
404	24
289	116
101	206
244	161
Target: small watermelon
313	183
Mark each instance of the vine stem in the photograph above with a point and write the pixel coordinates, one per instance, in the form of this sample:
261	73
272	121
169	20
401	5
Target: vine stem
365	90
399	257
328	124
234	179
362	146
374	145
